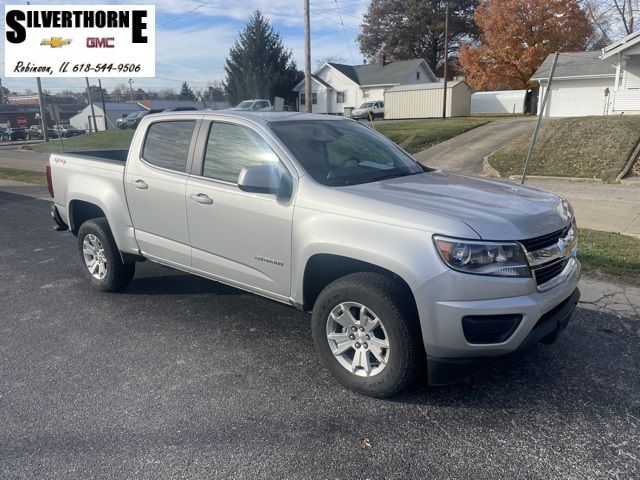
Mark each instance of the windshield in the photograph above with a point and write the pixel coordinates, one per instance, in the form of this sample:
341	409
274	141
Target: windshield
246	105
339	153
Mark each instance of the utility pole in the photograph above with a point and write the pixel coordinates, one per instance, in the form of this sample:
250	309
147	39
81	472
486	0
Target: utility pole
93	112
446	58
43	122
104	107
540	114
1	92
307	58
131	88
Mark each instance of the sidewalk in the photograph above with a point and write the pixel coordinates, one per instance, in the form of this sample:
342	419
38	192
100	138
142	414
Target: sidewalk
598	206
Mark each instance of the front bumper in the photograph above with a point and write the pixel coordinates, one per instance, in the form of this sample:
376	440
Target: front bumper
443	371
444	301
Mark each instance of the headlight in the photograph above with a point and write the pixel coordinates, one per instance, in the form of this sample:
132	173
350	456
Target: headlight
497	259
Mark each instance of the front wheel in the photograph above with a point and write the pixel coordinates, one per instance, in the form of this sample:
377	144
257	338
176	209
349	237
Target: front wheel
100	256
364	332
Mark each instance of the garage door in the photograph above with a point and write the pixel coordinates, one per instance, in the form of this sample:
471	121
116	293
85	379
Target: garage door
577	98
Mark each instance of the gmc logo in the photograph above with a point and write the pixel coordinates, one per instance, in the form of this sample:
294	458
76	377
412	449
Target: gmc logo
95	42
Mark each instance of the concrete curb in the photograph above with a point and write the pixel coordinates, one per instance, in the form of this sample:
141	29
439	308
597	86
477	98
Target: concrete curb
568	179
488	169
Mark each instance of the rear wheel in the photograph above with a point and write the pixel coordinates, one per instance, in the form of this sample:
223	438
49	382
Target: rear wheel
100	256
364	334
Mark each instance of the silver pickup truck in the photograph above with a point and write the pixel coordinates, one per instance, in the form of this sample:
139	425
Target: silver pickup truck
402	266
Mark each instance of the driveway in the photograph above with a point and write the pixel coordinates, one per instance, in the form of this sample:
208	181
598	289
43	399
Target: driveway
181	377
465	152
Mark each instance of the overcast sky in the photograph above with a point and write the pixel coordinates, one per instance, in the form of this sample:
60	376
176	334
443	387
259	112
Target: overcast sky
193	37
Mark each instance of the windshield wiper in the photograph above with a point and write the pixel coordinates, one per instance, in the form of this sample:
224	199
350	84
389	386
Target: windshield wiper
393	175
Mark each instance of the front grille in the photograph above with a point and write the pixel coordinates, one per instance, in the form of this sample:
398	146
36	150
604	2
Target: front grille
544	273
543	241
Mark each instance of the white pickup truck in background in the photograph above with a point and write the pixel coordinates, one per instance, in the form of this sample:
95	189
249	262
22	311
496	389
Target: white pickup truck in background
395	260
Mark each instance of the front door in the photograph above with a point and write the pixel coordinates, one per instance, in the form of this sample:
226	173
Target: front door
155	185
240	237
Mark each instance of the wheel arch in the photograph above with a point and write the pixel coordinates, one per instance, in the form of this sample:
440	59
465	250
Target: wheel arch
323	268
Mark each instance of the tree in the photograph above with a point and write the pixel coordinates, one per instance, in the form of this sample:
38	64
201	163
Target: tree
613	19
186	93
215	92
166	94
258	65
517	35
407	29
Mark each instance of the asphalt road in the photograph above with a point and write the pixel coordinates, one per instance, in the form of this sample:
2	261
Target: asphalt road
180	377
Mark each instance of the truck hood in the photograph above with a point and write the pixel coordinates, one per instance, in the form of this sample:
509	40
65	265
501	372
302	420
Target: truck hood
495	210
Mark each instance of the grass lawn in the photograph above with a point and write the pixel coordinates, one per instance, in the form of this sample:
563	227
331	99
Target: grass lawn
23	176
611	255
416	135
587	147
109	140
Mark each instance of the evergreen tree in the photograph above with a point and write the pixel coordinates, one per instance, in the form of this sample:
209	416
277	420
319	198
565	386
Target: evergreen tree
186	93
258	65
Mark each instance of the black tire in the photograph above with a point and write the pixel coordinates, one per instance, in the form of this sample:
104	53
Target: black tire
118	274
383	296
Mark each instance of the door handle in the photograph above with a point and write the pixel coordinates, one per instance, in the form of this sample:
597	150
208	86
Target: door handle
140	184
201	198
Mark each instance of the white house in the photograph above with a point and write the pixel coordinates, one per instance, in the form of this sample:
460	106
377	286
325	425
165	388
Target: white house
336	87
603	82
84	121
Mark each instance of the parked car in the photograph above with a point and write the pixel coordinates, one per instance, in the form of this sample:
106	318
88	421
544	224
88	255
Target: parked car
285	108
120	123
369	110
254	104
393	259
132	120
13	134
67	130
36	133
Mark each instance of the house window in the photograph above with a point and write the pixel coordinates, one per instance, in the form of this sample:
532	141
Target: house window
302	99
417	75
314	98
340	97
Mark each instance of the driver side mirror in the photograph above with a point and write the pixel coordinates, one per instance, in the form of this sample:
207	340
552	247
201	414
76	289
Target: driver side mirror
259	179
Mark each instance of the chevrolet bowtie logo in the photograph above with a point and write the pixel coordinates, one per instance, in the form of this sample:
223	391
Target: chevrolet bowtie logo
55	42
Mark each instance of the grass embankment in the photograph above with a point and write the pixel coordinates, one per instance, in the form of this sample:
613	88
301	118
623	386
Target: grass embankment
27	176
611	255
417	135
586	147
109	140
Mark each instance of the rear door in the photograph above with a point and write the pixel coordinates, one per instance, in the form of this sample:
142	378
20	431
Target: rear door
240	237
155	183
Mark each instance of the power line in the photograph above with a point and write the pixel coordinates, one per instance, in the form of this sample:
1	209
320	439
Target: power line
185	13
345	32
332	20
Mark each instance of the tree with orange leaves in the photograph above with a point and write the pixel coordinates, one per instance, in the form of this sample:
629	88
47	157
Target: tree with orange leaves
517	35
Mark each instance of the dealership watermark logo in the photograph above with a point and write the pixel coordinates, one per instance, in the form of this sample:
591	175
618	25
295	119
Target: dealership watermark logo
55	42
104	40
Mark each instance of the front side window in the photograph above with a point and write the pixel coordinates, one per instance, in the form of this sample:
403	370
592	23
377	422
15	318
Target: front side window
339	153
167	144
232	147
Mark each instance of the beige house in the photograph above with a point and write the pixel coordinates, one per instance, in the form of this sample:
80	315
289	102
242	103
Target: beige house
425	101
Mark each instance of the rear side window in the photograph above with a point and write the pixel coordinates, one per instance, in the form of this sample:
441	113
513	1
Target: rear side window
167	144
232	147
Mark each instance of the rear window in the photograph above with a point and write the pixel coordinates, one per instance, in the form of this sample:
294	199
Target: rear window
167	144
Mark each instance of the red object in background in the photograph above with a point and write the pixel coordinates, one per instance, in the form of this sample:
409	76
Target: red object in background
22	121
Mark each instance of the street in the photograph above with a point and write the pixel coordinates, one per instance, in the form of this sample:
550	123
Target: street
183	377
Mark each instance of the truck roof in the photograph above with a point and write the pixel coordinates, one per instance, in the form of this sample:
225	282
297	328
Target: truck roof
264	117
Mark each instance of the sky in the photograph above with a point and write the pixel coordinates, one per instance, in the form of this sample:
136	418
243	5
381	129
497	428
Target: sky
193	38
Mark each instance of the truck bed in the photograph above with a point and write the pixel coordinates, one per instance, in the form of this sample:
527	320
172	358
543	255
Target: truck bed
115	156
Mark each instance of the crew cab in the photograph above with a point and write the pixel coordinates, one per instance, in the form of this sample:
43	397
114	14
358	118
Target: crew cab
399	264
